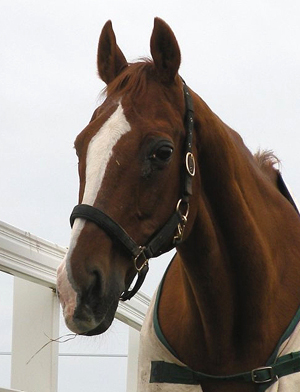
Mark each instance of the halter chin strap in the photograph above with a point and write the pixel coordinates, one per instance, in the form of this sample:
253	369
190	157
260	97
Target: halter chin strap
176	223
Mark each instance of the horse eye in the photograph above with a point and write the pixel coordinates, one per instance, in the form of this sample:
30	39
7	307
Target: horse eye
163	153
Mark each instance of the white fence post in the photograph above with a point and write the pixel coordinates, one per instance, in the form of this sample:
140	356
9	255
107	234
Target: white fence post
35	321
36	311
132	364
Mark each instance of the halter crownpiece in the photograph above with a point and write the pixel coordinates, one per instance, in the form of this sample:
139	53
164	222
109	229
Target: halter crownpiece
176	223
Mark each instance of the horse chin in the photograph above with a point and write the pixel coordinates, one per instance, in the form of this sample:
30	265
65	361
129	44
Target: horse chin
101	328
88	321
104	322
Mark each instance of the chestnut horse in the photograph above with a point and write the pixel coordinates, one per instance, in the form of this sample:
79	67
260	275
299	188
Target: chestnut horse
159	169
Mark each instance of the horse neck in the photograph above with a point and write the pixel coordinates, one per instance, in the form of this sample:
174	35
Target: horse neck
238	271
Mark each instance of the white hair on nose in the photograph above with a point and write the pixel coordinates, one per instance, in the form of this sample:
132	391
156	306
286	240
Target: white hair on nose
99	152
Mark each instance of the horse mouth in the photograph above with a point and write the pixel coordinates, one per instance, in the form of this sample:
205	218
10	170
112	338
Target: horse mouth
101	328
87	321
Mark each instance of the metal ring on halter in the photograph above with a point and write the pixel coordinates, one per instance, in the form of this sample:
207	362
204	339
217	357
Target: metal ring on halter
190	164
176	223
141	253
181	226
184	216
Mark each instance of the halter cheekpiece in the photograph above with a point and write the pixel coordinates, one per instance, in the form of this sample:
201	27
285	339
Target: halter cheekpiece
173	228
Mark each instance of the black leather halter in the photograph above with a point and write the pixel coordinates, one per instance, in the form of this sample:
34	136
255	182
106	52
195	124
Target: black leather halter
175	224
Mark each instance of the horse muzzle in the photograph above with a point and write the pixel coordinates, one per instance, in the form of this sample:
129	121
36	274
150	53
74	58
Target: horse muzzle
87	310
85	319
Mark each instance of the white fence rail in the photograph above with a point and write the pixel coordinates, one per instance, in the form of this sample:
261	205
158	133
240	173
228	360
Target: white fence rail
36	311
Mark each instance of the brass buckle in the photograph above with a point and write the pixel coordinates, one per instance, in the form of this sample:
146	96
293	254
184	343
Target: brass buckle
272	375
190	164
181	226
141	253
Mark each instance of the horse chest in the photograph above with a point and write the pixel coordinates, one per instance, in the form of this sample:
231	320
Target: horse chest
154	350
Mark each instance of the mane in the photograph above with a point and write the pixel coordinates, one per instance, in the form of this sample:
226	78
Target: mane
266	160
133	78
270	166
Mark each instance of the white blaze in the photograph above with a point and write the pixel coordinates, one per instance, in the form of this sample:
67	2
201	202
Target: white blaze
99	152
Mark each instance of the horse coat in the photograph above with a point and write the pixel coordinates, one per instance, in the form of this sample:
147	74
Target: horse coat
192	179
154	347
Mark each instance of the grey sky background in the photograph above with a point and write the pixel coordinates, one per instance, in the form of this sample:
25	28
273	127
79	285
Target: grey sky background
241	57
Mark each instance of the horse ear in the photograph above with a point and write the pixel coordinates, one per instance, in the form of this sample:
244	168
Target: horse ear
165	51
111	61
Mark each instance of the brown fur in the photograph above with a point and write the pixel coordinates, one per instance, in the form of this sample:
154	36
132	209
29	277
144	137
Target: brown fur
230	292
133	79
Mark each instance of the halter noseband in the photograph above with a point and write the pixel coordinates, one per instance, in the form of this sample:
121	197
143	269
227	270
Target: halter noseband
176	223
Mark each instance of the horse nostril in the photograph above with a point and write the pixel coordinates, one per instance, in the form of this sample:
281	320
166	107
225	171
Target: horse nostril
96	285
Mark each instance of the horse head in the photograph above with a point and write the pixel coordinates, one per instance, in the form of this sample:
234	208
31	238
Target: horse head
130	168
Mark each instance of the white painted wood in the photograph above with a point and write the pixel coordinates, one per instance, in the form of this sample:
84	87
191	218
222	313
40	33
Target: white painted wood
33	261
35	320
25	255
132	364
133	312
10	390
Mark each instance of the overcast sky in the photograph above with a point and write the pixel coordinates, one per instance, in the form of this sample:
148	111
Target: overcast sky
241	57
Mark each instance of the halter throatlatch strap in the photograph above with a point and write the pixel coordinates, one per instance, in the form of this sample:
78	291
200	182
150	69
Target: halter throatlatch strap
173	228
